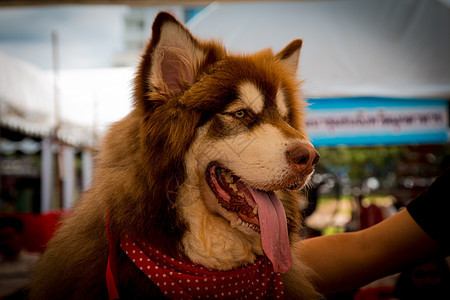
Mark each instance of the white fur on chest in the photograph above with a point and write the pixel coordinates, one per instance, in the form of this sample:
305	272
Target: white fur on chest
210	240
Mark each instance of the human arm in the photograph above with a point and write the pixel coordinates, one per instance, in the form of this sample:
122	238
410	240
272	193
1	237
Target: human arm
349	260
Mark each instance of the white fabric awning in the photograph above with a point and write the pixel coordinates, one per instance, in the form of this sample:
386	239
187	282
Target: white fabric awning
88	100
384	48
26	97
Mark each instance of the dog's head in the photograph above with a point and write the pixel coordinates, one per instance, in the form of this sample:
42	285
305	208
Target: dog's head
219	135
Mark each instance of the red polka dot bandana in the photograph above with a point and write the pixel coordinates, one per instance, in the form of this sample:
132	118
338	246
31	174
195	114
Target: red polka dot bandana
184	280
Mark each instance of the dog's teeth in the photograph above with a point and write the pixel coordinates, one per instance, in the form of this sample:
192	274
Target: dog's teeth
255	210
228	177
234	187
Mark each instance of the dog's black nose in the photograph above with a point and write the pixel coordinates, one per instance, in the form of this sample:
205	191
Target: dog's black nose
304	156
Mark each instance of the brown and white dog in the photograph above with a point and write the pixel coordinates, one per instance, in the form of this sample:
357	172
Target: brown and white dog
204	170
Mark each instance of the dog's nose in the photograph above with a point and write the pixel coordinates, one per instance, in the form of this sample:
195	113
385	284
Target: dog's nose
303	156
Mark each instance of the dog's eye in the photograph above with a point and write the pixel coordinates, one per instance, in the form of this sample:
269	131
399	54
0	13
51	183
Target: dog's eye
241	113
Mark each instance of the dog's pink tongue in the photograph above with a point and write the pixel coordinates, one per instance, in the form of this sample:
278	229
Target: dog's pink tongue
274	233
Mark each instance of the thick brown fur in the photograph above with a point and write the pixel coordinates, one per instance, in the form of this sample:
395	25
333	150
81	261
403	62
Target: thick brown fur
141	166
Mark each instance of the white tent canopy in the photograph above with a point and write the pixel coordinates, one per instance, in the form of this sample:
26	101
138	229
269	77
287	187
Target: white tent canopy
98	96
393	48
26	97
88	101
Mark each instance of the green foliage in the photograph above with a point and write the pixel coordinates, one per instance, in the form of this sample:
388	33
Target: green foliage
360	163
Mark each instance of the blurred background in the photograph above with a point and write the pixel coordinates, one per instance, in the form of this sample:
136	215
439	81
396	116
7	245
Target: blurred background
376	74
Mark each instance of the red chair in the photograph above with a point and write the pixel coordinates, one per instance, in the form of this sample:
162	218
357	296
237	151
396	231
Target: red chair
39	228
375	293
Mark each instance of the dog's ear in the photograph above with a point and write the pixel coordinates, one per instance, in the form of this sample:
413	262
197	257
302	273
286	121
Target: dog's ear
290	54
175	56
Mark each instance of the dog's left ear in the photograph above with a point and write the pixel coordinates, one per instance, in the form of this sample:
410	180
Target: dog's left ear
289	55
175	56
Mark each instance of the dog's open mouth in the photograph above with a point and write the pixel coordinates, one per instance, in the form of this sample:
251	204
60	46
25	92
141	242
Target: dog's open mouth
233	195
259	210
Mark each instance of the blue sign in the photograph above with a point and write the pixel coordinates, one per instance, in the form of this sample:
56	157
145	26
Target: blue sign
367	121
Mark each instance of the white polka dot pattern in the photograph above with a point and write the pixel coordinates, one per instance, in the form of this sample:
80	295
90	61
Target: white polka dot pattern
179	279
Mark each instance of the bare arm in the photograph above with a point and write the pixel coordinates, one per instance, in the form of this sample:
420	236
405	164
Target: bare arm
349	260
